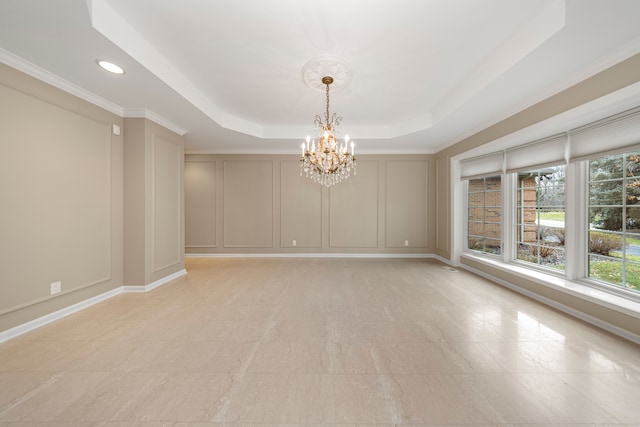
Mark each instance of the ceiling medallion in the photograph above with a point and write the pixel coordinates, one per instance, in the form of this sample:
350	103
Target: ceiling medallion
330	161
314	70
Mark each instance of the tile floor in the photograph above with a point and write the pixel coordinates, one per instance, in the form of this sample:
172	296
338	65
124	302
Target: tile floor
320	342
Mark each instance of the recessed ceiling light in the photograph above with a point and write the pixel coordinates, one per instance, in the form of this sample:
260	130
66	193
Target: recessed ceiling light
113	68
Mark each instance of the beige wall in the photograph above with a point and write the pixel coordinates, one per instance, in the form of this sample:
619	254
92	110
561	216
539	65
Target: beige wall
61	194
154	206
81	205
261	204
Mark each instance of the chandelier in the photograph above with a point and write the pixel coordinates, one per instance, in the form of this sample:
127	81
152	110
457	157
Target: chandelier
330	161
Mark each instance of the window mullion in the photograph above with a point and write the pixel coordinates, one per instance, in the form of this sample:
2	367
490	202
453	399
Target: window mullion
577	229
509	215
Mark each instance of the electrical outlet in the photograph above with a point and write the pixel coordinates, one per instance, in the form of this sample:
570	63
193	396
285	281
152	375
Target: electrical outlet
293	242
406	243
56	287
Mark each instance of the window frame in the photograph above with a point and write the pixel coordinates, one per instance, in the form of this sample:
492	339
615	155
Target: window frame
484	206
576	237
617	132
515	226
586	277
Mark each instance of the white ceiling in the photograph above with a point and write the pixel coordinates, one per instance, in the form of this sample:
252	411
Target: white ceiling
426	73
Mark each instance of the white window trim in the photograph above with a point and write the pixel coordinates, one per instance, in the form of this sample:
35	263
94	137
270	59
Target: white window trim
509	188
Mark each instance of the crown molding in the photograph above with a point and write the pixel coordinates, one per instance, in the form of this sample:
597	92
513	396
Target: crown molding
145	113
54	80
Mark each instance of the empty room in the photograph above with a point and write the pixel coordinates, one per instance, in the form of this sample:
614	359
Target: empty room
319	213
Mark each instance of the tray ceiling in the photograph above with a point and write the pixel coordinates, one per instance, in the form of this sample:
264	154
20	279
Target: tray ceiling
426	74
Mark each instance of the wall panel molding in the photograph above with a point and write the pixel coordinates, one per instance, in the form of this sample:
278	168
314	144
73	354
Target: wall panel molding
263	205
300	208
248	204
61	186
406	203
353	209
200	204
53	214
166	201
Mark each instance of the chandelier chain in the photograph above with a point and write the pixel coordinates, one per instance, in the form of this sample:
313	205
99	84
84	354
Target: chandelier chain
326	114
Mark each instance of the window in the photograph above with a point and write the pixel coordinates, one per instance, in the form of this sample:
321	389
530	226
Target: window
614	220
566	205
484	225
540	217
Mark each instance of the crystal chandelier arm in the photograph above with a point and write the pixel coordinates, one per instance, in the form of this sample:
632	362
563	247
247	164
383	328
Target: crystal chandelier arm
336	120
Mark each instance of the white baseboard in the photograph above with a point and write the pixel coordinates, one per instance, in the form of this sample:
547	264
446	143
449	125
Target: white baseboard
151	286
57	315
307	255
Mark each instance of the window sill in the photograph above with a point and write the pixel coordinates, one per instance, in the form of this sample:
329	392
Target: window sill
607	299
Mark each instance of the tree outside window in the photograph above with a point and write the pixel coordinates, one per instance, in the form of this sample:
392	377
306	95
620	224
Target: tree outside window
614	220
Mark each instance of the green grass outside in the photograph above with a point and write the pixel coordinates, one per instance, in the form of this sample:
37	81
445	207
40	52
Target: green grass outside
552	216
611	272
631	241
608	271
635	258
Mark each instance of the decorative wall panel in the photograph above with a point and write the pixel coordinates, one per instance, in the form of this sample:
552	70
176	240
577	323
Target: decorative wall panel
300	208
353	209
167	202
406	203
200	204
248	204
55	181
